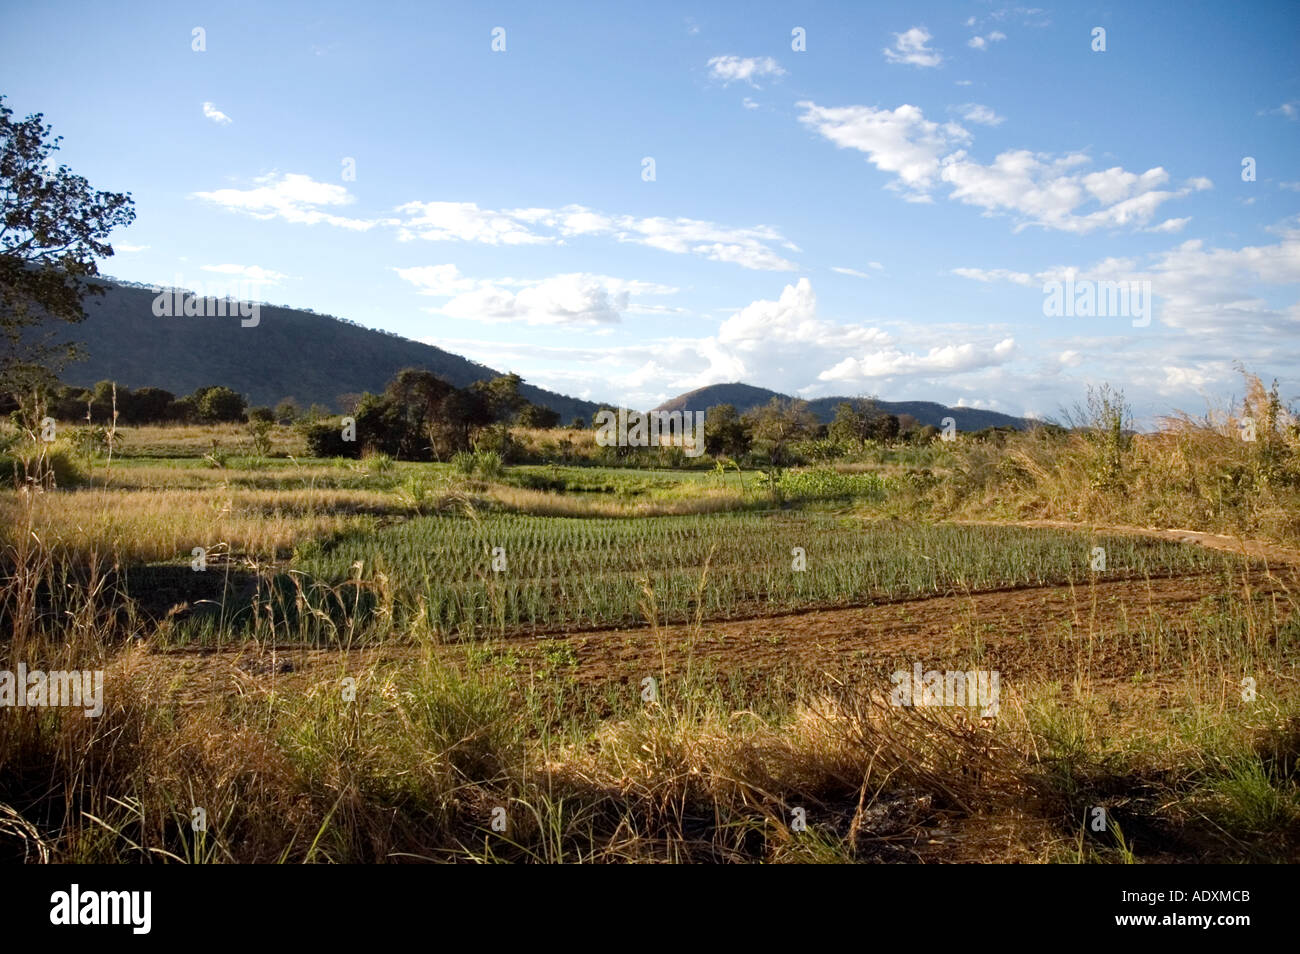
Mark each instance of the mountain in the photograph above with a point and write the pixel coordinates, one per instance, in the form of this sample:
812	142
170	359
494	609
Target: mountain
746	397
289	352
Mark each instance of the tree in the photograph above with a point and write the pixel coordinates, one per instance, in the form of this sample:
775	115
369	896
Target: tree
501	396
287	411
536	416
778	424
464	414
852	423
53	226
150	405
219	404
725	432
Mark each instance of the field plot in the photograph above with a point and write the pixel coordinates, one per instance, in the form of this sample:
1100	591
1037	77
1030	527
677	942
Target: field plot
634	665
554	573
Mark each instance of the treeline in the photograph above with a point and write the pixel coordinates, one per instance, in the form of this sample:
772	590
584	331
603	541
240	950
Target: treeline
417	407
105	402
786	432
419	416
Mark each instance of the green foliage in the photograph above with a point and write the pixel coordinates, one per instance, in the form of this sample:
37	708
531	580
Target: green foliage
483	463
536	416
565	571
259	432
725	433
55	227
825	484
777	426
325	439
1109	428
218	403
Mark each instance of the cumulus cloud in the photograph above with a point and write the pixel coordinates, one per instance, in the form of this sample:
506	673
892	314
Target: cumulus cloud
576	299
216	115
942	359
748	247
745	69
910	47
901	141
301	199
1035	189
291	197
1205	291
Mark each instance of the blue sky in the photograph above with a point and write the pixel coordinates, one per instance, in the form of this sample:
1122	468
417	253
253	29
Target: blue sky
876	213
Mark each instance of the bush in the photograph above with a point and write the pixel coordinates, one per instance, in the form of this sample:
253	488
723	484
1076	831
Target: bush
49	465
325	439
217	404
488	464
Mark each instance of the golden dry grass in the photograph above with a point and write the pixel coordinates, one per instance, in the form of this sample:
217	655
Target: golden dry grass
134	525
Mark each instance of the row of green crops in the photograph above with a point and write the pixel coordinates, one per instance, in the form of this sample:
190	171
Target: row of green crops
825	484
553	572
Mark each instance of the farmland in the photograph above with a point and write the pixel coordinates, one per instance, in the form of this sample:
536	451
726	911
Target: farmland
424	642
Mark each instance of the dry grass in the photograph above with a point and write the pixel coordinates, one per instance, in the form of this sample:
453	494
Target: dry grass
1191	474
135	526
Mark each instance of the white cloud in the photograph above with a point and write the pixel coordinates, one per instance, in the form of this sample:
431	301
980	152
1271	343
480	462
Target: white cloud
910	48
730	69
292	197
901	141
464	222
437	279
747	247
982	42
995	275
749	103
975	113
943	359
1170	225
123	247
1036	189
575	299
216	115
299	198
1220	292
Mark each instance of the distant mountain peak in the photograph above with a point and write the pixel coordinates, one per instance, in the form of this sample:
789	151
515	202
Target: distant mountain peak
746	397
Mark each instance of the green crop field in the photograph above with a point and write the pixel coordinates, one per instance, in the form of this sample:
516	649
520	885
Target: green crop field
558	572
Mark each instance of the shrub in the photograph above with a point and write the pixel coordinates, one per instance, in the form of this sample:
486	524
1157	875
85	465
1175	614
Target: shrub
325	439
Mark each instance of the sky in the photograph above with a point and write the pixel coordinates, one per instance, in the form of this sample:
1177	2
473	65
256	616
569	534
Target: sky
623	202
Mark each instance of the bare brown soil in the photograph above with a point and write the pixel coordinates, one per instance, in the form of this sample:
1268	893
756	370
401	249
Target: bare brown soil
1011	627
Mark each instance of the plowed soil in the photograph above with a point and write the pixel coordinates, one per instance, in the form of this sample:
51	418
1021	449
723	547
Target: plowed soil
1009	628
